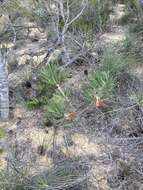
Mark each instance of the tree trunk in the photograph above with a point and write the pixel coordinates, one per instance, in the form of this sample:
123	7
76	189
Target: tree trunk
4	89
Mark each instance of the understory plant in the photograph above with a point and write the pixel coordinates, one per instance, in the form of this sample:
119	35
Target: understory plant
50	95
49	78
65	174
95	17
135	7
101	84
55	107
133	46
51	75
113	62
59	108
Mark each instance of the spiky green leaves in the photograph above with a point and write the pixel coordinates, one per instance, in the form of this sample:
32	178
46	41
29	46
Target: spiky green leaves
51	75
101	84
49	78
56	107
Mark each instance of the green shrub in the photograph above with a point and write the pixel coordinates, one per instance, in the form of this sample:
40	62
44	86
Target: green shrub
113	62
135	9
55	107
34	102
133	46
50	75
103	80
95	16
101	84
17	6
13	182
49	78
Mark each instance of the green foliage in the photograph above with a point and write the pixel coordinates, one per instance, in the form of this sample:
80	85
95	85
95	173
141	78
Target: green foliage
42	182
56	107
51	75
126	18
101	84
113	62
49	94
136	28
95	16
103	9
34	102
84	25
103	81
17	6
133	46
11	182
129	41
134	10
137	98
59	176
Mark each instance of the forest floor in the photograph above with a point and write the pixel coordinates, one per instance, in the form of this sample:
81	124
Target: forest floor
83	139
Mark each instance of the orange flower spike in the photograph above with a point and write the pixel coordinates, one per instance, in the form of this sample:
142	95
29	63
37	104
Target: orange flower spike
71	115
99	102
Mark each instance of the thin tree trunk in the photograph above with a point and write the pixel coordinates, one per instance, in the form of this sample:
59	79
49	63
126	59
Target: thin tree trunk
4	89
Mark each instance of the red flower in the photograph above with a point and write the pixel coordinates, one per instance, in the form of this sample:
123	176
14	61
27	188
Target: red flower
71	115
99	102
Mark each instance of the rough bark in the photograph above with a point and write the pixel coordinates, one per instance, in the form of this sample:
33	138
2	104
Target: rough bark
4	90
